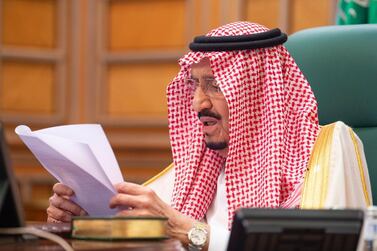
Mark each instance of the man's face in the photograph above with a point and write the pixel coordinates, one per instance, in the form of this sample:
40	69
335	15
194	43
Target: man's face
211	106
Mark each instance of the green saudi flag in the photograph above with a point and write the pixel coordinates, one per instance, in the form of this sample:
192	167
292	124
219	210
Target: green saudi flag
357	12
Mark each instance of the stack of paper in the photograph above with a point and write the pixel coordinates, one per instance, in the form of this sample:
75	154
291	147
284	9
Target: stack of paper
80	157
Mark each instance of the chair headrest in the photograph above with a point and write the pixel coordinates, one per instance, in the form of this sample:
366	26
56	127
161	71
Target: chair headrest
340	63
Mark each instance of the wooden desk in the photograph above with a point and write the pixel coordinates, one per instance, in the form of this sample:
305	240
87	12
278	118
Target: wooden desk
44	245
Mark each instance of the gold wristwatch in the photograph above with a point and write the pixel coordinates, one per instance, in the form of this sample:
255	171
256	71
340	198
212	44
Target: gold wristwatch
198	236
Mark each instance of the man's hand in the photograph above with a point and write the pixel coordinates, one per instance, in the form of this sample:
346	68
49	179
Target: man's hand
61	208
143	201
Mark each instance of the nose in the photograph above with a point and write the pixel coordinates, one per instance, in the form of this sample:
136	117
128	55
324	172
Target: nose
201	100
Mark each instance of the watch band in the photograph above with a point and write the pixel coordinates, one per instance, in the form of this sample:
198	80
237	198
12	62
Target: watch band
194	248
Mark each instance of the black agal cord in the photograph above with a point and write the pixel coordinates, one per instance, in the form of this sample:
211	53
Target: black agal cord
243	42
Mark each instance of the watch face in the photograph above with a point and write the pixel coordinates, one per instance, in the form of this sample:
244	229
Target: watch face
198	237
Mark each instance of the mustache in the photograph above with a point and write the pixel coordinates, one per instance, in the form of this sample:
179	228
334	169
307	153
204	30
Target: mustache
208	113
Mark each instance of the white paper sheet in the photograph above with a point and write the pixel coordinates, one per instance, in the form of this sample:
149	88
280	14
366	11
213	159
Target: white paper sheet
80	157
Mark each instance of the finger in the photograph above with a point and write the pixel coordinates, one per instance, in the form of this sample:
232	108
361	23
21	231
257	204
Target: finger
56	214
66	205
53	220
62	190
128	201
135	212
131	188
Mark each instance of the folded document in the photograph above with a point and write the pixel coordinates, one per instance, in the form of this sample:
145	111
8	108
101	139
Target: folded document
80	157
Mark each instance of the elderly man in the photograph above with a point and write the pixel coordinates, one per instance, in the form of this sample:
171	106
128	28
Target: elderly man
244	133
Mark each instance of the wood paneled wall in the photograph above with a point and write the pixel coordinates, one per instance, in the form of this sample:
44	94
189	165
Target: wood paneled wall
109	62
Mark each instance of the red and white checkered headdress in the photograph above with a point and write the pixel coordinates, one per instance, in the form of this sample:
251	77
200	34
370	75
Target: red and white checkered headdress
272	128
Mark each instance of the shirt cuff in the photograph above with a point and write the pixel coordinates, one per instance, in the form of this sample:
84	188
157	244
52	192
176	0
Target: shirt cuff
218	240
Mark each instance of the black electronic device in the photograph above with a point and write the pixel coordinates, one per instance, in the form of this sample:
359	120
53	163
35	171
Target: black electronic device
258	229
11	213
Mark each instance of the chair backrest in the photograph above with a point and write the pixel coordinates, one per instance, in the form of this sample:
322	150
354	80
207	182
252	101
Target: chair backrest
340	63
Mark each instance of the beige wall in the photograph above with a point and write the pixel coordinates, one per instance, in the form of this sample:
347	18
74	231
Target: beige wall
108	62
